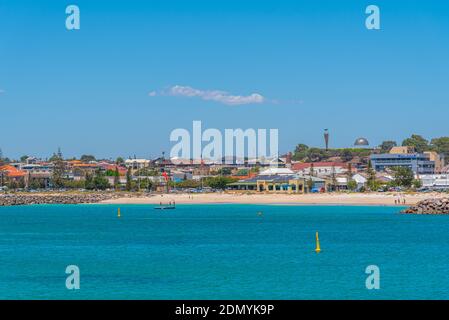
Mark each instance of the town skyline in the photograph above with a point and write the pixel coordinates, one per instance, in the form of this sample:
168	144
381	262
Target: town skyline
295	66
419	144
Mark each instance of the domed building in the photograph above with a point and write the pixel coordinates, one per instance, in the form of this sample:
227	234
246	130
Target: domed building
361	142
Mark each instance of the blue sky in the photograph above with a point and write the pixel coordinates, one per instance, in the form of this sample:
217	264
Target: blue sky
314	62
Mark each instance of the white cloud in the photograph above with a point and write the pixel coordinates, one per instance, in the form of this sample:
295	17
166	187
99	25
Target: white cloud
214	95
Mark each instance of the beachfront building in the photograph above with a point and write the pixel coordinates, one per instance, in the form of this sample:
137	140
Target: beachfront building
292	183
435	181
432	155
419	163
280	183
249	184
438	159
320	168
38	175
11	176
77	170
341	182
360	179
270	184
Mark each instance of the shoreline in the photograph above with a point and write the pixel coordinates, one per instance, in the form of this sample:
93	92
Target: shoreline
266	204
330	199
324	199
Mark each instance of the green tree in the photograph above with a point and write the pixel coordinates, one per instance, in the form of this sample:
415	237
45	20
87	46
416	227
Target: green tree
148	184
116	179
418	142
316	154
347	155
441	145
352	185
100	181
386	146
128	180
224	171
334	179
89	182
74	184
417	183
87	158
53	158
56	156
242	172
218	182
403	177
349	171
301	148
301	152
59	172
13	185
146	172
119	160
23	159
187	184
35	184
371	180
255	169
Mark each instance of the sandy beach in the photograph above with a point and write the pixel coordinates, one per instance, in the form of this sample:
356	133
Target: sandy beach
286	199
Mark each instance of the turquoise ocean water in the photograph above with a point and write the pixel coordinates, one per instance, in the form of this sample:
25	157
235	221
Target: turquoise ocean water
221	252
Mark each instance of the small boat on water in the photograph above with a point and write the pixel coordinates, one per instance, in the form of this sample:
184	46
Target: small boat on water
166	207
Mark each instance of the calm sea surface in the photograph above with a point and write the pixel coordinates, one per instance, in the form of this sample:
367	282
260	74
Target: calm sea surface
221	252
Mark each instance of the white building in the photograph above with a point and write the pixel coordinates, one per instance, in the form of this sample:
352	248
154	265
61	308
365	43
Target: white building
320	168
136	164
276	171
342	181
360	180
435	181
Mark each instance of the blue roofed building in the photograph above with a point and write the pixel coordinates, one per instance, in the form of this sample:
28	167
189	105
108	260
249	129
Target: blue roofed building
419	163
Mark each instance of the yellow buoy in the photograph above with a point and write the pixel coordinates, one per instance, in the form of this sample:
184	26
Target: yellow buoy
118	212
318	249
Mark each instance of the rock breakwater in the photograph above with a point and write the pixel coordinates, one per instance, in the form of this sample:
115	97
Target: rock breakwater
12	199
430	206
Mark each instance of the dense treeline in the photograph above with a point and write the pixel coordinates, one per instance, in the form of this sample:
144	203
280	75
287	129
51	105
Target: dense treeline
305	153
211	182
311	154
